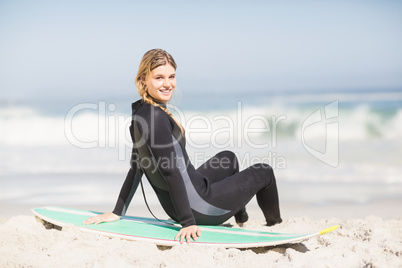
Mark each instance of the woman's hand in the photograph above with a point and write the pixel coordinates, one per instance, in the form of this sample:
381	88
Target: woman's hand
188	232
106	217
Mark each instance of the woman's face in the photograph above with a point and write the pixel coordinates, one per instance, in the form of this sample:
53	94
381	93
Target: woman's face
162	82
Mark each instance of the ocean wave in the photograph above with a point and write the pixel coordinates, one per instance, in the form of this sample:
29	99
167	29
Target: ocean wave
89	128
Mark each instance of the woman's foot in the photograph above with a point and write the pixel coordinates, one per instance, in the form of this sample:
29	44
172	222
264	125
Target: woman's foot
241	217
271	223
241	224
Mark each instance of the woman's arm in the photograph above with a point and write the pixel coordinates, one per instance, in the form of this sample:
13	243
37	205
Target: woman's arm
126	194
127	191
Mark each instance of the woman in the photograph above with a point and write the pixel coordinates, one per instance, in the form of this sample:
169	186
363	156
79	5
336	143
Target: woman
210	194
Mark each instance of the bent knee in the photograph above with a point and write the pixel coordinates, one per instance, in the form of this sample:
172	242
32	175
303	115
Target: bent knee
229	158
229	155
266	172
262	166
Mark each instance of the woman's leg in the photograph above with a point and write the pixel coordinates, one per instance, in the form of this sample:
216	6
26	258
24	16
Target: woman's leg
237	190
268	201
219	167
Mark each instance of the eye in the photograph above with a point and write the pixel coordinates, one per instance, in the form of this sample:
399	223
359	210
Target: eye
172	77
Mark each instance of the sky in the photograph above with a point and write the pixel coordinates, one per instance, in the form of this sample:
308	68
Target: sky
77	49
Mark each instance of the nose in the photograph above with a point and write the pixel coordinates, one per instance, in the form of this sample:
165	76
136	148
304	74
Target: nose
166	83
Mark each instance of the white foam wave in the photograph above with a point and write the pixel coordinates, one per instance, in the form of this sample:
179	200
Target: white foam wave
360	123
26	127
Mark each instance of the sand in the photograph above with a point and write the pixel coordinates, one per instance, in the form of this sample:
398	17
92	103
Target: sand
367	242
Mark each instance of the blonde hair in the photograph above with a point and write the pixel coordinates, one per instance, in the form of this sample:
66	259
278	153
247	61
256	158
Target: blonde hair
151	60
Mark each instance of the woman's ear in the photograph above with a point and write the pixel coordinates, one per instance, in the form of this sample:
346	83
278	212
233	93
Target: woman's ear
142	79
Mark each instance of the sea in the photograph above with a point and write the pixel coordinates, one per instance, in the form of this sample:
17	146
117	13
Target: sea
326	147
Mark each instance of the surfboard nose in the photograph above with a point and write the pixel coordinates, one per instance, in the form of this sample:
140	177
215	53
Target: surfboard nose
330	229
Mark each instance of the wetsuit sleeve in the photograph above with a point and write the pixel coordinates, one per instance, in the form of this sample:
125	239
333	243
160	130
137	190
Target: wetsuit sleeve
127	190
162	145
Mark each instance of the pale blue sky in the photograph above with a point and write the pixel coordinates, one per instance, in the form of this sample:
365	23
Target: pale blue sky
87	48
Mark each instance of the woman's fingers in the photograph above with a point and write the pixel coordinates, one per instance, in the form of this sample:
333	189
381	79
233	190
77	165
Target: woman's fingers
187	233
188	237
89	221
107	217
92	220
196	234
177	236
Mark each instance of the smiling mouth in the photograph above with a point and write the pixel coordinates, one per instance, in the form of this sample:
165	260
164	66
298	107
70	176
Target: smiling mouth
165	91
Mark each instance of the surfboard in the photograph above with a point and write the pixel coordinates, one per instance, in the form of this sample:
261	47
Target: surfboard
162	233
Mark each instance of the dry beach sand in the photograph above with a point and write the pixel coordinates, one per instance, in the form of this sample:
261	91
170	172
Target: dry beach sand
371	241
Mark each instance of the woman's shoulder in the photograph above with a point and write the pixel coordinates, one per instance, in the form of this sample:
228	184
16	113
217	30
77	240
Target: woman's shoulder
148	111
136	105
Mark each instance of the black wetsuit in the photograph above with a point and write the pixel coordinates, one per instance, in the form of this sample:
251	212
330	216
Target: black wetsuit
210	194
